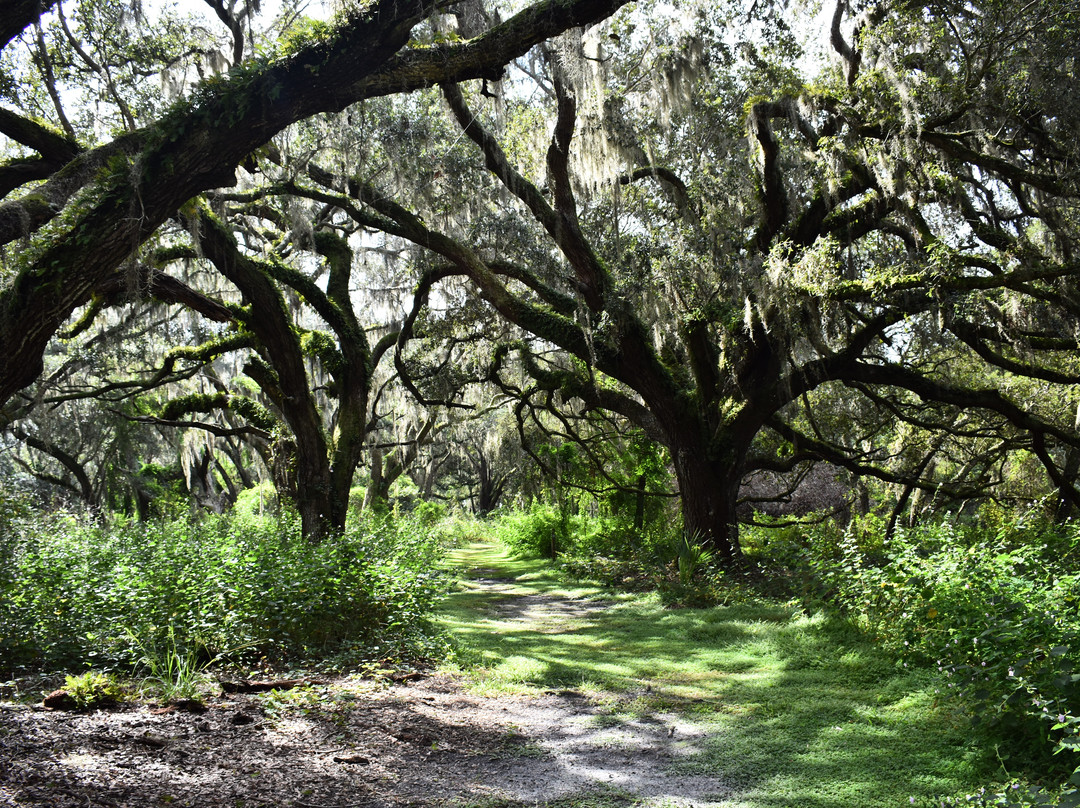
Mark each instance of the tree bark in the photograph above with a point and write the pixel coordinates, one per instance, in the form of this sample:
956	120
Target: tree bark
1069	472
15	15
490	486
286	383
709	492
377	494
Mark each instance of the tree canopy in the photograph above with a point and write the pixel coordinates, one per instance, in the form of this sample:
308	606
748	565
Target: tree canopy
99	204
670	217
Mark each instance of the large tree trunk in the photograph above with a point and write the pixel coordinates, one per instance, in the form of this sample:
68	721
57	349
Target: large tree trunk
490	487
314	499
1069	472
709	491
303	478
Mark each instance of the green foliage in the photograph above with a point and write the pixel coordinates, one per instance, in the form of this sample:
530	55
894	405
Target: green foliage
458	528
254	412
428	514
690	555
1017	794
322	346
539	532
93	689
253	503
549	531
164	488
177	672
178	594
304	33
992	604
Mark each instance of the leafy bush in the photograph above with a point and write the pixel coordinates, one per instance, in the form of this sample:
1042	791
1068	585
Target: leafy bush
539	532
993	604
253	504
78	592
690	556
634	575
1015	794
93	689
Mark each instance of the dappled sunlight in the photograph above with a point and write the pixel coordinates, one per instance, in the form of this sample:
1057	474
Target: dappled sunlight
555	695
765	699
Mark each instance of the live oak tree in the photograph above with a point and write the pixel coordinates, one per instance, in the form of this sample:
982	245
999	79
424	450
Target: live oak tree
78	210
904	228
99	203
726	254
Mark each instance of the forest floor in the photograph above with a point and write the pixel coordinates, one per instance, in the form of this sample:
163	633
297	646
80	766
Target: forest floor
569	698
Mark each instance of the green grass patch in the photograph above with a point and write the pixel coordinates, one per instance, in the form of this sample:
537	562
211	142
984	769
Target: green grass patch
799	709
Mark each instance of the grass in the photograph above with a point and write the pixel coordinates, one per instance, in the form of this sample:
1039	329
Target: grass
799	710
590	801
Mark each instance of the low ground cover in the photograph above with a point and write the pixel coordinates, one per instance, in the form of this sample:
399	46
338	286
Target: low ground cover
795	709
170	597
986	606
557	695
835	694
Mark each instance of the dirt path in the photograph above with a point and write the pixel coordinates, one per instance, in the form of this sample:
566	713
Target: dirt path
363	744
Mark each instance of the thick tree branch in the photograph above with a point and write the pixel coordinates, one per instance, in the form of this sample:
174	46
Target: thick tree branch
197	146
213	429
17	15
991	399
852	58
53	146
63	457
680	194
843	459
18	171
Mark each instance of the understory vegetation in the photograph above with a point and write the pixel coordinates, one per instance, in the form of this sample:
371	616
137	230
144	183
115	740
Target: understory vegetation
185	592
986	605
983	609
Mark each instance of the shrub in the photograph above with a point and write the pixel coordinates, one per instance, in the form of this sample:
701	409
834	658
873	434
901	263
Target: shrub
992	604
77	592
1015	794
93	689
539	532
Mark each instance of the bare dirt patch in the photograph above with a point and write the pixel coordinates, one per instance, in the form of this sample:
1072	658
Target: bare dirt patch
355	743
542	613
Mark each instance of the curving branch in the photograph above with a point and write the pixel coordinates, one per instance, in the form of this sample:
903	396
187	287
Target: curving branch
198	145
69	461
773	192
671	182
852	58
214	429
53	146
560	222
989	399
822	450
19	171
17	15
